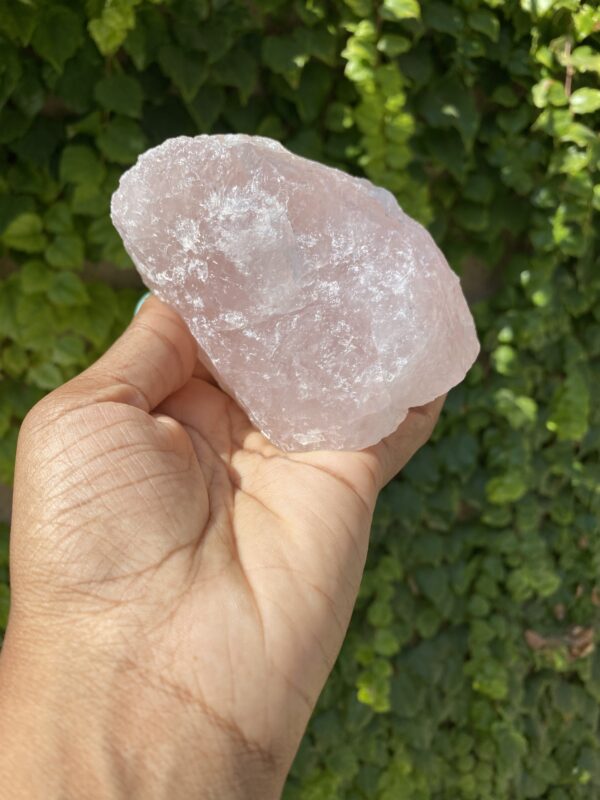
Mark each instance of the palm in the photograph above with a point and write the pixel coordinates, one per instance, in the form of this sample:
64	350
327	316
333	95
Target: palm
220	571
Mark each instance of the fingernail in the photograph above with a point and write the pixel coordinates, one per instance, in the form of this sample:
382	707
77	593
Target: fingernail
141	302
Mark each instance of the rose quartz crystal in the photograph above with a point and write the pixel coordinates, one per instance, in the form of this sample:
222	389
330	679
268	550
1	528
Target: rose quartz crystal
316	302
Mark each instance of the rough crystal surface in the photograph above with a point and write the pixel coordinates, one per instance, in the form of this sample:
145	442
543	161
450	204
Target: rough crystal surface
316	301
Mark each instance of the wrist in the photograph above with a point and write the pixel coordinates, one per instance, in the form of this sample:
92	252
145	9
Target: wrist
71	727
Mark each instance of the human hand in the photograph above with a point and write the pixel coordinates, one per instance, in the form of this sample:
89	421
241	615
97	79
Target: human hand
180	587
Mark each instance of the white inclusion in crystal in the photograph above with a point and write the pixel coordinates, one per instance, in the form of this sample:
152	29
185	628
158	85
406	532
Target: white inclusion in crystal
187	233
198	268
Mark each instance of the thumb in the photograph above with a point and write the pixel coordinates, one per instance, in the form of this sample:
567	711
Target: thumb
153	358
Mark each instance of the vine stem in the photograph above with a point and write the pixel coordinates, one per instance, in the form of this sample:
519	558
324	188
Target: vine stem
570	71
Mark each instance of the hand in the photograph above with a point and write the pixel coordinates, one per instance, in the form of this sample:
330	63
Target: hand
181	588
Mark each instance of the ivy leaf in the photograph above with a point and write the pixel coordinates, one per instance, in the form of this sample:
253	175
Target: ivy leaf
95	320
40	141
584	59
449	104
111	27
45	375
25	233
393	45
66	251
120	93
485	21
121	141
585	101
29	95
79	164
238	69
35	321
35	277
10	71
314	88
149	33
58	218
58	35
67	289
15	361
69	350
18	20
76	84
13	125
206	107
443	17
570	408
187	70
401	9
507	488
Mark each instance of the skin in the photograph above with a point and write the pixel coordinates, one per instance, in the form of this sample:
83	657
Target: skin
180	587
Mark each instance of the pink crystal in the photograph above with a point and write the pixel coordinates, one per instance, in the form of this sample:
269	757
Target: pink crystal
317	303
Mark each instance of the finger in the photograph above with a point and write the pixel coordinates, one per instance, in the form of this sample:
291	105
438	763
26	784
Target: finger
396	450
153	358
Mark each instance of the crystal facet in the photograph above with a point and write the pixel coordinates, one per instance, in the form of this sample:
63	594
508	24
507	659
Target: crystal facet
316	302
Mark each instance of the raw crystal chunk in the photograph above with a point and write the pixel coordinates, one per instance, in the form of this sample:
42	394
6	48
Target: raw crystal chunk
317	303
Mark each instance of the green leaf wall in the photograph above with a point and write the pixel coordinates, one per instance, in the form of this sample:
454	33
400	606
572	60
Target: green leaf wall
470	668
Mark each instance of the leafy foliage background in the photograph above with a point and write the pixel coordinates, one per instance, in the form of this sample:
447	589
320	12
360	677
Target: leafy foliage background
469	670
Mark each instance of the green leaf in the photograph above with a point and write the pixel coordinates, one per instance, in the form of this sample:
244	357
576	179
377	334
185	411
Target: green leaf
76	84
40	141
95	320
58	218
46	376
10	71
585	101
584	59
285	55
187	70
18	20
401	9
8	322
69	350
549	92
12	206
120	93
149	33
13	125
35	277
29	95
15	361
110	29
206	107
586	21
79	164
486	22
443	17
447	104
58	35
25	233
239	69
393	45
570	408
67	289
313	90
122	140
35	321
90	201
66	251
507	488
